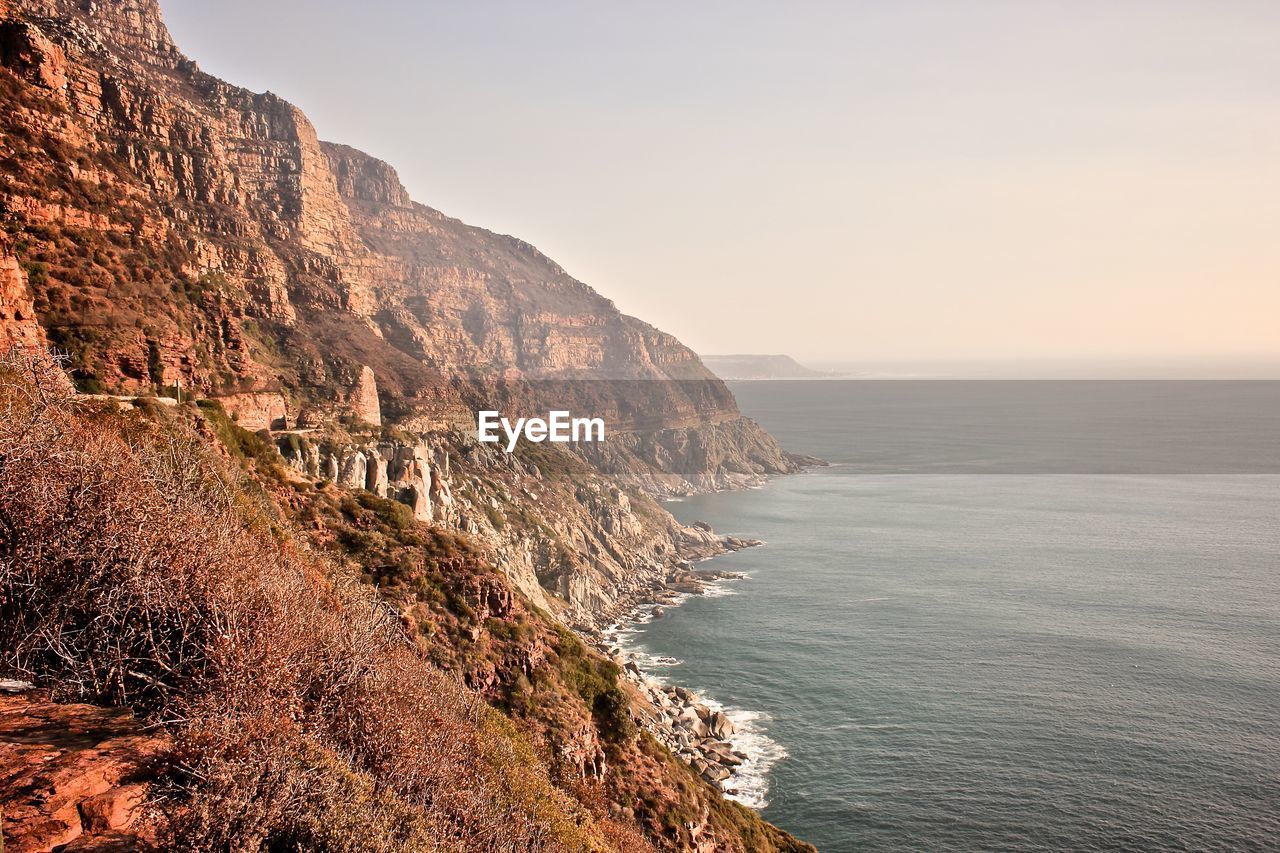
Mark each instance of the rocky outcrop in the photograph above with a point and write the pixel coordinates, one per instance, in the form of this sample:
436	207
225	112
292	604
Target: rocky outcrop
697	733
25	48
734	453
572	540
18	325
73	777
257	410
363	400
415	474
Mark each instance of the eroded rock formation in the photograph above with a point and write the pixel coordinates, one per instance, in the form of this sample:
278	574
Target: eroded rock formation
257	410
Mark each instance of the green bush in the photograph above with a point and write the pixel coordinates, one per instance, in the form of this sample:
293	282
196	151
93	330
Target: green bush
595	679
393	514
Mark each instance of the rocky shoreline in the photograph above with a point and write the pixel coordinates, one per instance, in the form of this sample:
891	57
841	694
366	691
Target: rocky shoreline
701	735
697	730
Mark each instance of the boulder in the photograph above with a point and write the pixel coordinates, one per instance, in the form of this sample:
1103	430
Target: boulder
722	755
113	809
715	774
721	726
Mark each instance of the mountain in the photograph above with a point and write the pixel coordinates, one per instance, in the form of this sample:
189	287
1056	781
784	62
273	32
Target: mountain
244	507
179	229
760	367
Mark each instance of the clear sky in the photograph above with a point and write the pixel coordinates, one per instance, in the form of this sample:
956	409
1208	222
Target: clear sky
899	179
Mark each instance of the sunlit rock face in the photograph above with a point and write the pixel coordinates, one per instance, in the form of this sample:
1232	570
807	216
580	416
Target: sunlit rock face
196	233
257	411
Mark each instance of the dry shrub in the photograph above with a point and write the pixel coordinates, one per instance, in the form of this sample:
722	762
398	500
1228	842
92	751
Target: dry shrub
134	571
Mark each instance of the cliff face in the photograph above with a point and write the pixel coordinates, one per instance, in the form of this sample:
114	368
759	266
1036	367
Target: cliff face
453	294
571	539
186	230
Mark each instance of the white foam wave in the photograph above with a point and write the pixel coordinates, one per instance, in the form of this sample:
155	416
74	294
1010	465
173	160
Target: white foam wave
647	661
749	784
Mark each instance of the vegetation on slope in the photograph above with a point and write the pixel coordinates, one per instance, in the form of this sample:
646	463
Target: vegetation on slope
134	572
336	675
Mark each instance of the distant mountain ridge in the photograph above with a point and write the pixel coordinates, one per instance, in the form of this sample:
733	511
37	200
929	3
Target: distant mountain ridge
747	366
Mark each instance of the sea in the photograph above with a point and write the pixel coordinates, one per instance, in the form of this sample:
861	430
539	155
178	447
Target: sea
1015	616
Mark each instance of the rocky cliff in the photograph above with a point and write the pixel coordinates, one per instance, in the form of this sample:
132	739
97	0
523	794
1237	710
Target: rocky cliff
571	539
179	229
173	233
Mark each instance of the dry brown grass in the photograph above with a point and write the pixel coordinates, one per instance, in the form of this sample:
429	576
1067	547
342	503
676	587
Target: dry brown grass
134	571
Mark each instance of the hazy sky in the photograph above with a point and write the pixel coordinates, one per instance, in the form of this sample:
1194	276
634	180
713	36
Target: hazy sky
866	180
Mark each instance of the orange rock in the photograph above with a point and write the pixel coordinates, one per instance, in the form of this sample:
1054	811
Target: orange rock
24	47
364	398
115	808
72	773
257	410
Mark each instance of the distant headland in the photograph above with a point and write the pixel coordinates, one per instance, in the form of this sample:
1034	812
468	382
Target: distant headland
743	366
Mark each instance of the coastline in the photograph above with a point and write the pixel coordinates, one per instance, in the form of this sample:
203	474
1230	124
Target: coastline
724	745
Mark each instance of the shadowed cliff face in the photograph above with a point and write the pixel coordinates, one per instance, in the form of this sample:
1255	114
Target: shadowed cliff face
181	229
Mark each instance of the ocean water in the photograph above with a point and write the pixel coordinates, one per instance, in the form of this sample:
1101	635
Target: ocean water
1039	616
